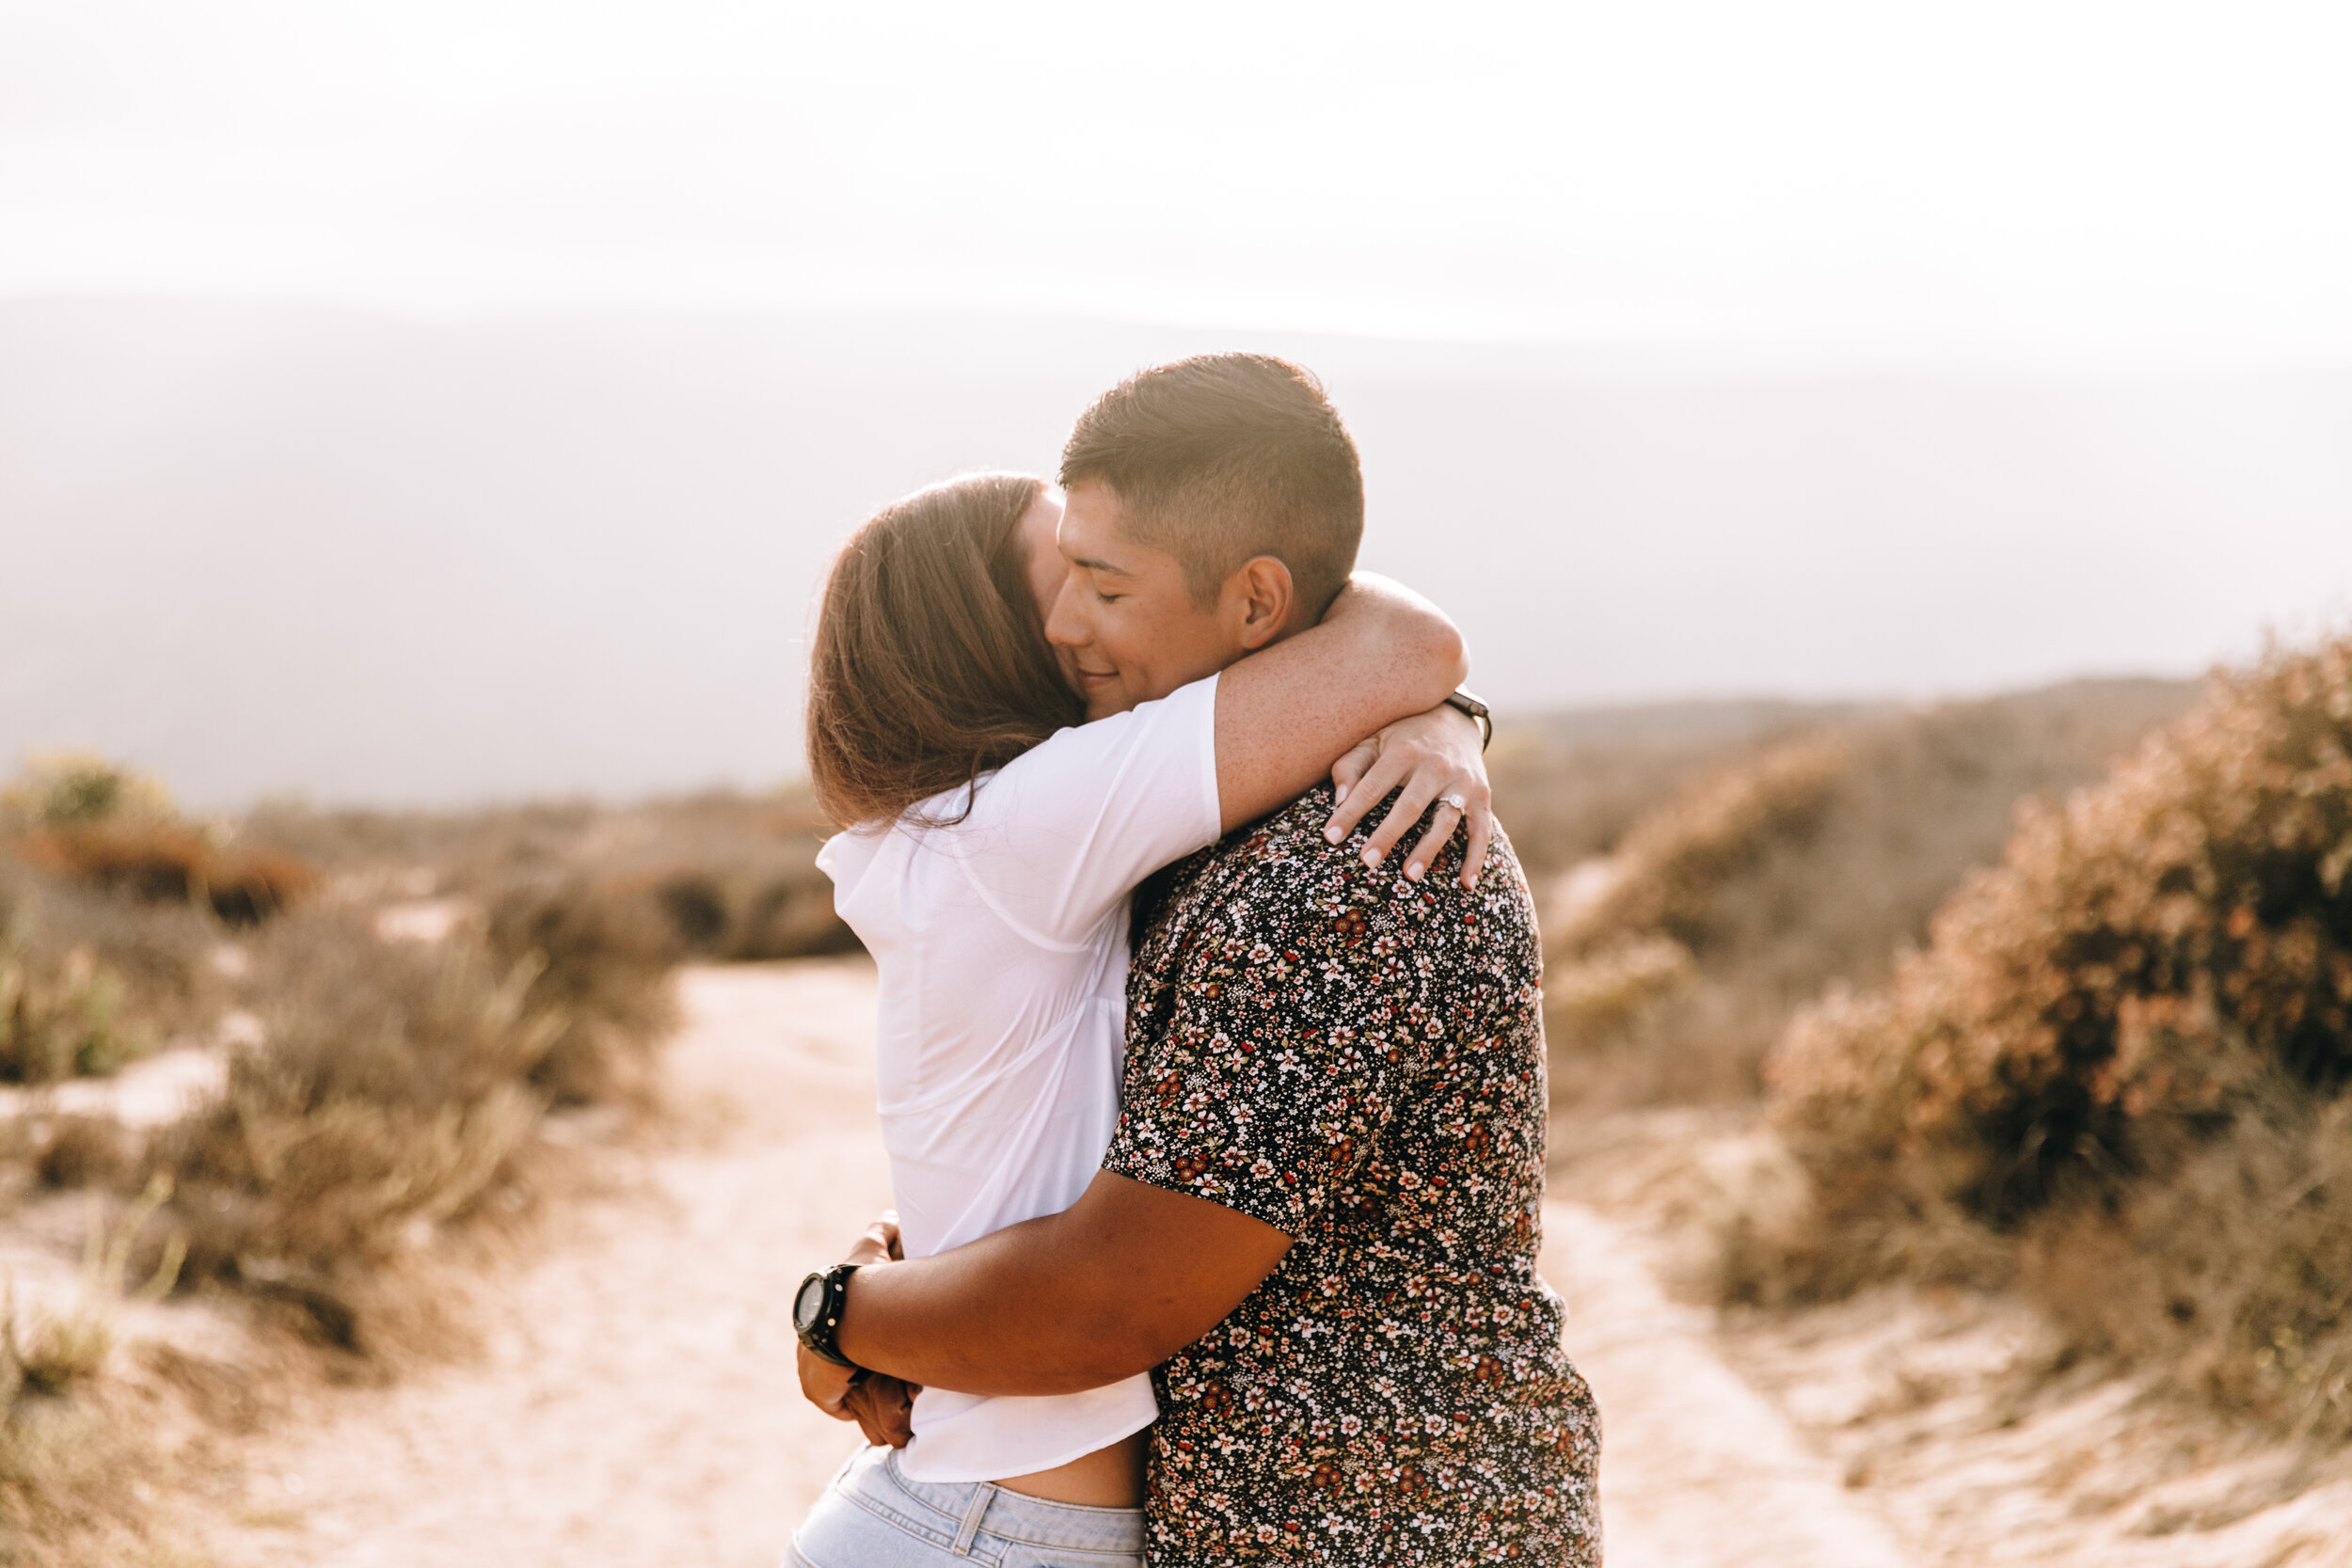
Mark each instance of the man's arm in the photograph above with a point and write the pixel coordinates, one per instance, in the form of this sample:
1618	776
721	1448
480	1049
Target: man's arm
1110	1287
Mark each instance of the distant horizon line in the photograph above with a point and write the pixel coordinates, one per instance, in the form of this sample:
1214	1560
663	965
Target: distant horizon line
1651	348
1509	725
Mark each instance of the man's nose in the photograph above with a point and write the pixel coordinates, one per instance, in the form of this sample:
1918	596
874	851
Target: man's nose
1064	626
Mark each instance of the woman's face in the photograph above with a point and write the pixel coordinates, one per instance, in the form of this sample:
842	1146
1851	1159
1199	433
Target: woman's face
1041	528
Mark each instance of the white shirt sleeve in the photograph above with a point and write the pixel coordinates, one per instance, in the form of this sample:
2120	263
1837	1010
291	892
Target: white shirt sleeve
1060	837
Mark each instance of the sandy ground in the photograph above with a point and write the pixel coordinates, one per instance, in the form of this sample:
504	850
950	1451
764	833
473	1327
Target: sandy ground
633	1402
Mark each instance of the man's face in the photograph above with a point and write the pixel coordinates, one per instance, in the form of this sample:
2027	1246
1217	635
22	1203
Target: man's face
1124	620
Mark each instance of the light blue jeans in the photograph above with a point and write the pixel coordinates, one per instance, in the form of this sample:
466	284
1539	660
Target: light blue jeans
874	1515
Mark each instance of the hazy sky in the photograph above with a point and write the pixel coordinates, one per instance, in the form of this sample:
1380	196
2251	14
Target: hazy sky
2040	178
440	398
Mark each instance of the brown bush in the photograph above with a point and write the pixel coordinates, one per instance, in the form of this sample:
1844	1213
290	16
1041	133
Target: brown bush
2135	1028
1789	869
2139	952
1571	784
732	877
389	1086
599	960
158	953
1673	863
85	1151
167	862
2233	1271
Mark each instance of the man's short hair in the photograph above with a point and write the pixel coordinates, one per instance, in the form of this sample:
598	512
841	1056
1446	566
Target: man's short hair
1225	456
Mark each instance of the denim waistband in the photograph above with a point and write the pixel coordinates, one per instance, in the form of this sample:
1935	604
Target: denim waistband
960	1512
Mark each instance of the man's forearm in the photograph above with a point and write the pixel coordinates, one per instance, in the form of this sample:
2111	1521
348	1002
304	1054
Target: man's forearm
1008	1314
1109	1288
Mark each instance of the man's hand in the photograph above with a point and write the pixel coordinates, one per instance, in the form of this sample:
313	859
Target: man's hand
1434	756
881	1406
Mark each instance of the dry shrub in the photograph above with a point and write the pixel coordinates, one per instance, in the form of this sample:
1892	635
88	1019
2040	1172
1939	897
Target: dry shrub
61	1023
162	862
599	962
1805	864
58	788
1625	1008
1571	784
388	1087
397	1085
151	959
731	877
70	1497
2136	1026
1607	989
1673	862
75	1151
2233	1270
2137	949
72	1450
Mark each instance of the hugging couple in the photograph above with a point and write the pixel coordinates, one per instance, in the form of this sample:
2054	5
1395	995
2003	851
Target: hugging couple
1211	1068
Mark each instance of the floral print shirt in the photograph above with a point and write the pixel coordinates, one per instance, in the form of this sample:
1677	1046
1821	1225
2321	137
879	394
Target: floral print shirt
1358	1061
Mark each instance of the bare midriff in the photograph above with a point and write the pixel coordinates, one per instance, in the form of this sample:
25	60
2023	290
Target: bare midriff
1108	1478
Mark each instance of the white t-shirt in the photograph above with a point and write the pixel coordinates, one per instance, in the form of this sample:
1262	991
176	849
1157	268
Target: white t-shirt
1002	946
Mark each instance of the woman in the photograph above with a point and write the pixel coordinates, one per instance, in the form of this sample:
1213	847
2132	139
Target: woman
996	841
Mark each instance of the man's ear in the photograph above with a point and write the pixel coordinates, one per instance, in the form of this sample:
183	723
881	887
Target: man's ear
1257	600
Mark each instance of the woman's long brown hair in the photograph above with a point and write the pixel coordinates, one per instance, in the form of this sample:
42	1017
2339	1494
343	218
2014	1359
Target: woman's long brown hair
929	665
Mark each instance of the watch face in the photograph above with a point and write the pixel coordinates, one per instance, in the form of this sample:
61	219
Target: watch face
809	1305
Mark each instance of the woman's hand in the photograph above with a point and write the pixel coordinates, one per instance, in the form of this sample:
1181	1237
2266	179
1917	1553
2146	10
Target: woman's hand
884	1407
1434	756
878	1243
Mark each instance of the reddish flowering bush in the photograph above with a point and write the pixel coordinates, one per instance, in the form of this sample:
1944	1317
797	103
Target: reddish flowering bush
2119	1063
2141	950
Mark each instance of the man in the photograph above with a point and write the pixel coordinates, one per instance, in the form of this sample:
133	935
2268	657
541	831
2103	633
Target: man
1317	1221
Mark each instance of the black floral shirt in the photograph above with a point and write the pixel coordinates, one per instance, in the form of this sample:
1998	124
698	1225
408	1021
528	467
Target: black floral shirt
1356	1060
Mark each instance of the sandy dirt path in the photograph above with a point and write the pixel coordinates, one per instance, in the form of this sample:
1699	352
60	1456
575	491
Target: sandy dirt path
634	1404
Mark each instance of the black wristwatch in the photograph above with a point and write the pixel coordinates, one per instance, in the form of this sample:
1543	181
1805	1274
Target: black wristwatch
1480	715
817	1311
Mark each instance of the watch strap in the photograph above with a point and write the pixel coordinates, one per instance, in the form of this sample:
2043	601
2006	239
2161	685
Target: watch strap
1480	714
819	1335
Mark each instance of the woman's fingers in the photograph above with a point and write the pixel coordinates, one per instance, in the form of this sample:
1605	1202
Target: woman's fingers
1383	774
878	1242
1425	848
1422	775
1482	833
1350	768
884	1408
1411	801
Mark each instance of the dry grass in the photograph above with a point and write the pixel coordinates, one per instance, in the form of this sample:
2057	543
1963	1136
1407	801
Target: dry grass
1803	862
398	1087
61	1020
730	876
2116	1071
71	1493
599	961
395	1091
89	982
1570	785
158	954
74	1457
